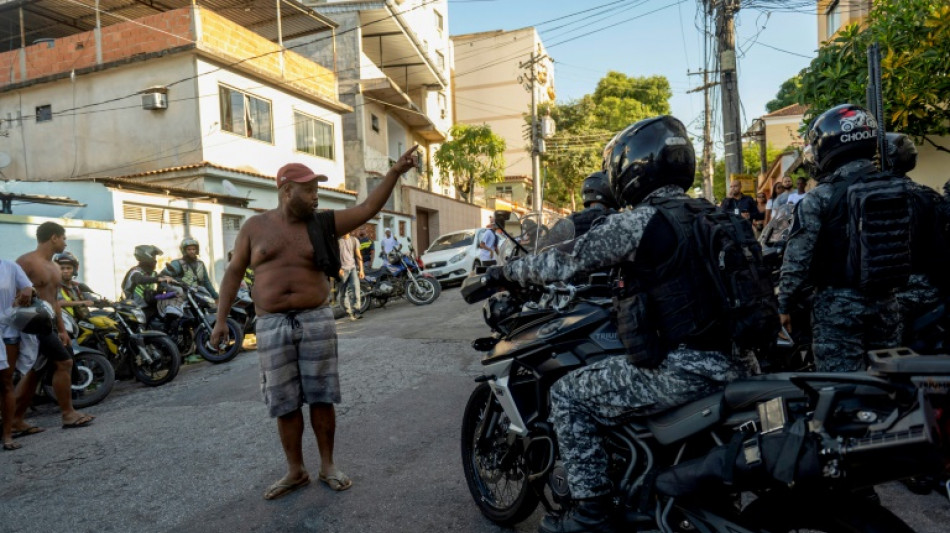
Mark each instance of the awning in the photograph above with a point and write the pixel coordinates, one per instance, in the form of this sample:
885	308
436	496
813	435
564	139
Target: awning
391	44
51	19
7	199
386	92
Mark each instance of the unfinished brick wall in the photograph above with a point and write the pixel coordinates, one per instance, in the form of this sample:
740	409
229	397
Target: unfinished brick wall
219	37
127	39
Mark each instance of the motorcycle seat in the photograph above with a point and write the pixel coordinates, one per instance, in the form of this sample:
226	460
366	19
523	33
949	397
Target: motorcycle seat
745	393
687	420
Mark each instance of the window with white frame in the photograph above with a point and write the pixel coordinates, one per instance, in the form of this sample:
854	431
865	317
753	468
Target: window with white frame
245	115
314	136
439	22
833	19
441	59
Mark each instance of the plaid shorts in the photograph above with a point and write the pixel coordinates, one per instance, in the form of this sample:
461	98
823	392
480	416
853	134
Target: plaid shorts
298	356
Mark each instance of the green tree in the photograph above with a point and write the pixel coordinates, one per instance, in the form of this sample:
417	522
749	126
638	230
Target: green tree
586	125
787	94
475	155
915	44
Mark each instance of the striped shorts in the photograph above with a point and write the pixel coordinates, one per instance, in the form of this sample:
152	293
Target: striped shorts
298	357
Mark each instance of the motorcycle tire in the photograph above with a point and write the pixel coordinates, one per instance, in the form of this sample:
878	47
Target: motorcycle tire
234	344
524	500
165	366
92	380
780	512
423	292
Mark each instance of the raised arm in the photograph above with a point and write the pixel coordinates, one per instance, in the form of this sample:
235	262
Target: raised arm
348	220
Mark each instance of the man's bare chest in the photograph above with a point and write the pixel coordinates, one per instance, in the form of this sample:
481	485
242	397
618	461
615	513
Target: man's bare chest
286	245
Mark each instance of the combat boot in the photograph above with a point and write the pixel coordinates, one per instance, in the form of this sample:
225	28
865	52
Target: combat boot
588	516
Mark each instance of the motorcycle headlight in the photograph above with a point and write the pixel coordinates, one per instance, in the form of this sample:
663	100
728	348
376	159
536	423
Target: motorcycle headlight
456	258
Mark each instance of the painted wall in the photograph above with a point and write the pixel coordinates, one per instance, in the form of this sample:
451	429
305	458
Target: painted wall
91	243
97	198
933	166
114	138
782	132
236	151
493	95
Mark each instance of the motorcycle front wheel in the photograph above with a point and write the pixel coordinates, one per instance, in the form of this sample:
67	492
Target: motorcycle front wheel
423	292
92	380
501	493
165	362
232	348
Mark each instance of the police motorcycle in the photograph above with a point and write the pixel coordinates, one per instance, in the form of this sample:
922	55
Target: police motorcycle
399	277
118	329
92	375
774	453
188	314
242	311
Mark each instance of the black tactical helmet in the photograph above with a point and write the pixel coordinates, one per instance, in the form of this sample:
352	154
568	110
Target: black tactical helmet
840	135
648	155
596	188
146	253
901	152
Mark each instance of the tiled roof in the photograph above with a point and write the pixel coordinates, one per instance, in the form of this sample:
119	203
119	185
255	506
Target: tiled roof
788	111
206	164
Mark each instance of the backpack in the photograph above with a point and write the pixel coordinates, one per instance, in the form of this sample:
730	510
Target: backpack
734	282
880	227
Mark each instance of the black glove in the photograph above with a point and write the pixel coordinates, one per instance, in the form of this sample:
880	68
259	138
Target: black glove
495	275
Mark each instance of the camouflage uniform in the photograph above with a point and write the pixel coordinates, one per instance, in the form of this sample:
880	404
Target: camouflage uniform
846	322
917	296
607	391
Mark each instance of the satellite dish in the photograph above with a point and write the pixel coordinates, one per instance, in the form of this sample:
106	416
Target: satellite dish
5	159
230	188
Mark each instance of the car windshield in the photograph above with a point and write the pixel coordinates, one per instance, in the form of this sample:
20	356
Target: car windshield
452	240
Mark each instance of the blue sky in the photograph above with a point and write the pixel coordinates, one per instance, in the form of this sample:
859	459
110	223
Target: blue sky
665	42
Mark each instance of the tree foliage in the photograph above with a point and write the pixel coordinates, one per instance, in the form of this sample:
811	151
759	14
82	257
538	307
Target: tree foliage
475	155
787	94
915	44
586	125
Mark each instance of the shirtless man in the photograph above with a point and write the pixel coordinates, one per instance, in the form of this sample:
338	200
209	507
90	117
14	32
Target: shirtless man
296	332
46	276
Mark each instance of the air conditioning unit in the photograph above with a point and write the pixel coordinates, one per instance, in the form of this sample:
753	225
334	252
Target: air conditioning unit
154	101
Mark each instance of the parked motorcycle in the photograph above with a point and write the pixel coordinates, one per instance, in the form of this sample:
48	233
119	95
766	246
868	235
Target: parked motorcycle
774	453
92	375
116	329
242	311
400	277
189	321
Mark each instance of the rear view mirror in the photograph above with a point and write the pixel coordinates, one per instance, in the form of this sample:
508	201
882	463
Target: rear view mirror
514	229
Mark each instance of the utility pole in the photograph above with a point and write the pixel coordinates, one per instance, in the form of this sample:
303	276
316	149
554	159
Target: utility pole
707	167
537	142
728	77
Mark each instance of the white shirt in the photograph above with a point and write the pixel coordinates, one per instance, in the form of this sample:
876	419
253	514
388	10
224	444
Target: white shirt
389	243
488	239
794	197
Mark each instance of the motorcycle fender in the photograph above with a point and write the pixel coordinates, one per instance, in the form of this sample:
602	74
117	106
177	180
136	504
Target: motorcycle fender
150	334
238	311
78	349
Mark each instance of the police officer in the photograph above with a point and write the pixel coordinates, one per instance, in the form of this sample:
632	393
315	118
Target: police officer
188	269
598	201
923	291
848	320
648	163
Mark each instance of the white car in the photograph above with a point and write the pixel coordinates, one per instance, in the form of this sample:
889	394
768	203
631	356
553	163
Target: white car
453	256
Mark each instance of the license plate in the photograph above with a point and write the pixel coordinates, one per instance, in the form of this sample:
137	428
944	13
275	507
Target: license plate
435	273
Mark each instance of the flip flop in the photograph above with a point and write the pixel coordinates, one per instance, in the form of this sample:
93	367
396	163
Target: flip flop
337	481
32	430
82	421
283	488
8	446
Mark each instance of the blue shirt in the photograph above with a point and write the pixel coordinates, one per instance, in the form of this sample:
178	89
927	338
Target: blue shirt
12	280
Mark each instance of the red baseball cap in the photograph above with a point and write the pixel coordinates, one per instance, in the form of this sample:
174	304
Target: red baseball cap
298	173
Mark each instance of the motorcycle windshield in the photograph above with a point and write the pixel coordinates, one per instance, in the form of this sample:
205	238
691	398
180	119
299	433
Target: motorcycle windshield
540	231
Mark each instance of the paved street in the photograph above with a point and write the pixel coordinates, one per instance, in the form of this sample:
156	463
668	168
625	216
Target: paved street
197	454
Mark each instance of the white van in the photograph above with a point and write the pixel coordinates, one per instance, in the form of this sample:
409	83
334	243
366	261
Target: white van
453	256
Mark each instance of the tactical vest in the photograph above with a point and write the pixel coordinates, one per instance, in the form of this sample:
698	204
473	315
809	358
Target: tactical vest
662	303
866	232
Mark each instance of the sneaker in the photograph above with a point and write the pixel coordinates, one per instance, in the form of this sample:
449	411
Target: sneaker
352	316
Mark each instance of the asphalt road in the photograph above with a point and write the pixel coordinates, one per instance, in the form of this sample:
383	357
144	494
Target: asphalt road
198	453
